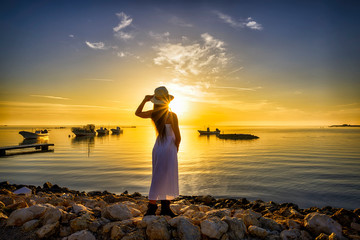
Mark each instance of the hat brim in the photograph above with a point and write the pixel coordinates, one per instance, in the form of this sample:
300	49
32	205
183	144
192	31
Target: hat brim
161	102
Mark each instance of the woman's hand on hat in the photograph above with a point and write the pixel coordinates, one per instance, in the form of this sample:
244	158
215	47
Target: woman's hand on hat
148	98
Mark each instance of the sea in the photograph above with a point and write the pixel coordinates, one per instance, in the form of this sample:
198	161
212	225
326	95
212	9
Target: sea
308	166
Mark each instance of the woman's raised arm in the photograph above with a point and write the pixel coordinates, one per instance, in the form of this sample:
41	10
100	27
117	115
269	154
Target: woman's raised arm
139	111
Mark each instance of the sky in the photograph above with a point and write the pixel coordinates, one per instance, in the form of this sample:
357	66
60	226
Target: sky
225	62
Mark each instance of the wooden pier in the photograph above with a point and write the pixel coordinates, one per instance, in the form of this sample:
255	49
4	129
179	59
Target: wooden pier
43	146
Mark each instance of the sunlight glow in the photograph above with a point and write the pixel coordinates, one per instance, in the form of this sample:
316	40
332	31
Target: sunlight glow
179	106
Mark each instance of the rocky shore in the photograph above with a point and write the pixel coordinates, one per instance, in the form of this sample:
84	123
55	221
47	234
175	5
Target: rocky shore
53	212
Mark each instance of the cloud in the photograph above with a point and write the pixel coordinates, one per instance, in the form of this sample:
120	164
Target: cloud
51	97
96	45
249	22
71	36
125	21
160	36
205	56
239	89
177	21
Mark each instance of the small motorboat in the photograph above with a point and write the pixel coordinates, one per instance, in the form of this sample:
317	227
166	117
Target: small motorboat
116	130
208	132
36	134
102	131
88	130
235	136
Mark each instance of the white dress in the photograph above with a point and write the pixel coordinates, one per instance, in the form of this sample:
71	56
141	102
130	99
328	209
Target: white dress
165	179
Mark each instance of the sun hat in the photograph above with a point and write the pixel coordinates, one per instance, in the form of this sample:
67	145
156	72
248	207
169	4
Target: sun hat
161	96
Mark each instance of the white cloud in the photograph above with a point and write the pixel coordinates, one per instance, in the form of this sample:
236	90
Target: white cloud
160	36
180	22
249	22
125	21
205	56
51	97
96	45
71	36
124	35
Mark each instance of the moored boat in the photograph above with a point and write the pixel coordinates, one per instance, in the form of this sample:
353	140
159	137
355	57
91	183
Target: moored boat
235	136
208	132
102	131
88	130
116	130
36	134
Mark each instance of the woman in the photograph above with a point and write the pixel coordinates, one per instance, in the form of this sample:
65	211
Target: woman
164	183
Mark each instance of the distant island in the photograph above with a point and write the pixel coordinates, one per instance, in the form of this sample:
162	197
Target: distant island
345	125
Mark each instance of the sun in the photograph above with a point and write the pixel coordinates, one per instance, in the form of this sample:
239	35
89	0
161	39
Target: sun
179	106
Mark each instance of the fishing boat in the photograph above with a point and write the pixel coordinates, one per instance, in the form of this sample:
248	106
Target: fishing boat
36	134
208	132
88	130
116	130
102	131
235	136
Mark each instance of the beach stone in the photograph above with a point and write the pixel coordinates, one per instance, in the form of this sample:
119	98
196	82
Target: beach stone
175	208
257	232
158	230
204	208
95	225
305	235
82	235
52	215
187	231
237	228
355	226
117	211
321	223
7	200
24	190
2	205
107	227
208	200
64	231
292	234
148	219
116	233
134	212
78	208
81	223
220	213
249	217
292	224
3	216
47	185
345	217
47	230
193	207
19	217
31	225
213	227
136	235
270	224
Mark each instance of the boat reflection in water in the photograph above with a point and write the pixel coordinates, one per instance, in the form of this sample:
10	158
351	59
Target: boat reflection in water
88	141
38	140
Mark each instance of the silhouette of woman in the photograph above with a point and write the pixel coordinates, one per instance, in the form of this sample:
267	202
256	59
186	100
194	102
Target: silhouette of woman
164	183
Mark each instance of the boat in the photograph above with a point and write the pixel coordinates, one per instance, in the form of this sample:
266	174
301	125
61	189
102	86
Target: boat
102	131
345	125
116	130
235	136
36	134
88	130
208	132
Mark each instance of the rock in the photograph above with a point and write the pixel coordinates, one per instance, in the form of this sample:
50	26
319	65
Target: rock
292	224
305	235
249	217
3	216
7	200
137	235
187	231
19	217
117	211
257	232
2	205
30	225
321	223
292	234
204	208
322	236
134	212
158	230
78	208
175	208
220	213
116	233
333	236
64	231
208	200
213	227
355	226
270	224
237	228
95	225
24	190
82	235
52	215
47	230
47	185
80	223
345	217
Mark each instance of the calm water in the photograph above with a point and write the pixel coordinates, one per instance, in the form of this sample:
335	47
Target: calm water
307	166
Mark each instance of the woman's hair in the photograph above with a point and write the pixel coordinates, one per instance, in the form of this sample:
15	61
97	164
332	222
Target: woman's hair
159	117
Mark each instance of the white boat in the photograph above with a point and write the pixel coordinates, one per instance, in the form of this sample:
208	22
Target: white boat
36	134
102	131
88	130
116	130
208	132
